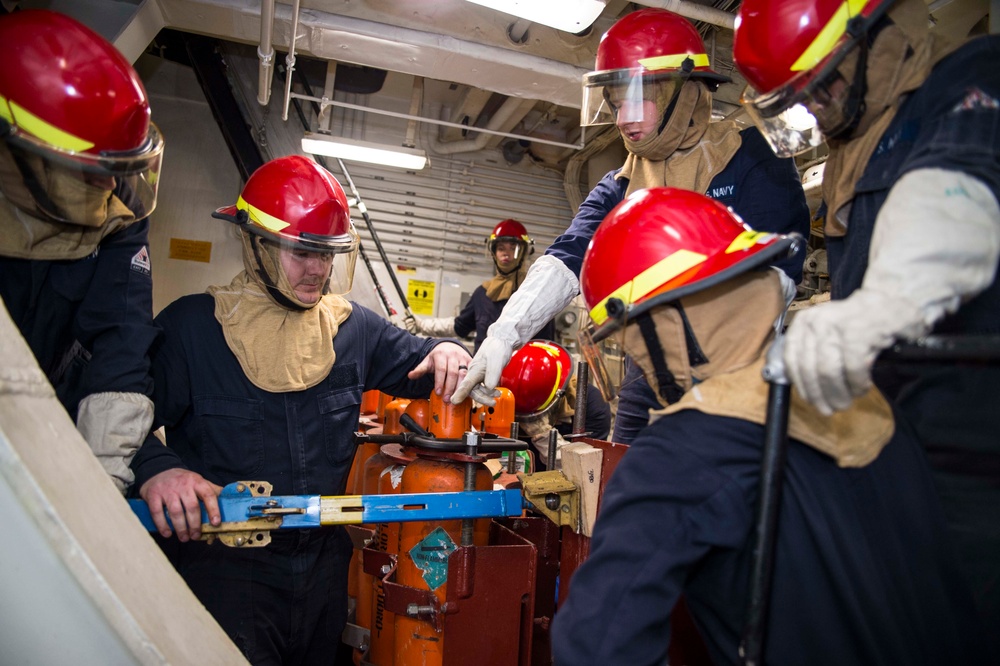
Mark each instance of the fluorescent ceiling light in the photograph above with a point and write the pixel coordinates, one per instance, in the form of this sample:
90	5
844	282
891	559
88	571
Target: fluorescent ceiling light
567	15
362	151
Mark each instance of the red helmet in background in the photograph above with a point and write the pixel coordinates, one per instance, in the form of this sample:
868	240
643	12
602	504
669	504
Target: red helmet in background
297	205
789	51
642	47
537	374
70	98
510	231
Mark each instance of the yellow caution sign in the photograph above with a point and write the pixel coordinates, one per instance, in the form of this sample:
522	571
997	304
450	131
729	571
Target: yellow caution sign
190	250
420	294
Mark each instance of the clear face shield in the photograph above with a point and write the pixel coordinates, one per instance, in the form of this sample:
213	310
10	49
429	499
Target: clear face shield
602	347
77	187
508	252
625	96
812	107
302	271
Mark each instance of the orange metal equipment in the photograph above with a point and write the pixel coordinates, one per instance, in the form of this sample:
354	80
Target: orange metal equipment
369	481
382	651
393	410
496	419
369	401
383	400
448	421
420	412
424	547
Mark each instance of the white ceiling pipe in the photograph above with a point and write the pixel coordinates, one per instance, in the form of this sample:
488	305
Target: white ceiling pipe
408	51
265	52
694	12
512	106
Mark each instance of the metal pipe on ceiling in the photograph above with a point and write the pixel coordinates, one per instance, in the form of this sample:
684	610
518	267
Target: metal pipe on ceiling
265	52
512	109
694	11
432	121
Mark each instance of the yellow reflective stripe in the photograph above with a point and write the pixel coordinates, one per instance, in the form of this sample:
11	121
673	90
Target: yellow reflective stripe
673	61
269	222
22	118
5	110
642	284
747	240
332	510
552	351
829	35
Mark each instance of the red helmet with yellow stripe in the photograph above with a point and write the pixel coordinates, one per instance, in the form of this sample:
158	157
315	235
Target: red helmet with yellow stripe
537	374
292	203
520	245
644	46
789	52
70	98
662	244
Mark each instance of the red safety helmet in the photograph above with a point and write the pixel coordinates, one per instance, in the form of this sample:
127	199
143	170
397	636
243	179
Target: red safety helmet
660	245
642	47
69	97
511	231
537	374
789	51
296	204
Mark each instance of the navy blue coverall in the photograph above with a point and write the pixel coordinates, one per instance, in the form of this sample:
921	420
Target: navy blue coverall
89	322
287	602
480	313
951	122
863	574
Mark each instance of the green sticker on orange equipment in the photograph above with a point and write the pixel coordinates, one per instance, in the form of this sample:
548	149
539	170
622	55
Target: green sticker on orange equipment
431	556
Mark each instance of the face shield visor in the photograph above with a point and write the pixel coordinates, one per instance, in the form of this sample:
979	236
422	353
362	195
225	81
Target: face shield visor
296	272
820	104
602	346
624	96
75	187
507	252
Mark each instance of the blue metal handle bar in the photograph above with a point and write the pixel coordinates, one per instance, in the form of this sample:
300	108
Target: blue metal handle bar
307	511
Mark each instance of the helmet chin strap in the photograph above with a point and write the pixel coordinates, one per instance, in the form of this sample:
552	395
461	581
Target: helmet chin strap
667	385
686	68
854	106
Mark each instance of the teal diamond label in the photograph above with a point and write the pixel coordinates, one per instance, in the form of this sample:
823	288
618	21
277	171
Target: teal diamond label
431	556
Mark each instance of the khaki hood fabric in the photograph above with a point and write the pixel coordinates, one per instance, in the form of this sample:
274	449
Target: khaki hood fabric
27	236
501	287
899	62
280	350
733	325
853	437
690	150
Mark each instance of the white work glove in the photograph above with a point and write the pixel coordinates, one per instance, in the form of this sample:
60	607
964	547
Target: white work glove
548	287
936	242
115	426
440	327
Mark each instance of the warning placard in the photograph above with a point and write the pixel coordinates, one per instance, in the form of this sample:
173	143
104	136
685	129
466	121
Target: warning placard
190	250
420	294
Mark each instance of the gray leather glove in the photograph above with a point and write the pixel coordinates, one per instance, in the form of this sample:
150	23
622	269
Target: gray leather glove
547	289
936	242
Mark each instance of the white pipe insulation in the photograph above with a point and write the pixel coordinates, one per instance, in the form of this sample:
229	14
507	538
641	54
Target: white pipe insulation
265	52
